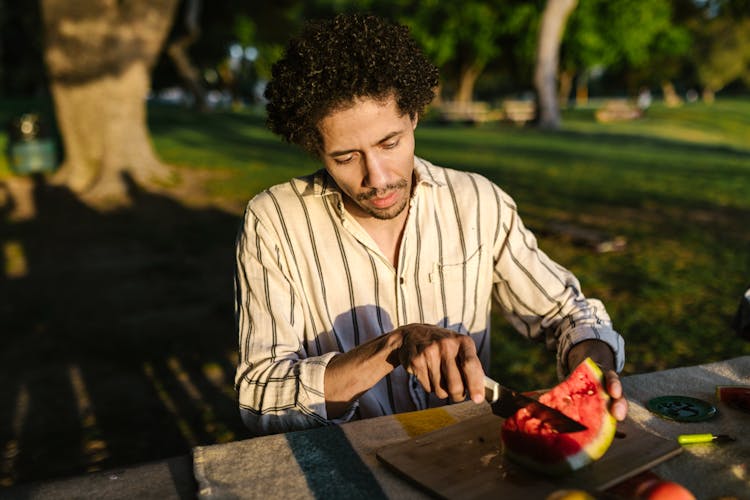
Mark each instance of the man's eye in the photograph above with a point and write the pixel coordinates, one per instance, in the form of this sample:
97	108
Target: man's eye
344	160
390	145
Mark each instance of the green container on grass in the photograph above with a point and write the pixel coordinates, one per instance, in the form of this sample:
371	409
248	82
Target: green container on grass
30	148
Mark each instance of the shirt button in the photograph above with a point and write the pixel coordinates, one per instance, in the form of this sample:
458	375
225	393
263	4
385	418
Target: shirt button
401	280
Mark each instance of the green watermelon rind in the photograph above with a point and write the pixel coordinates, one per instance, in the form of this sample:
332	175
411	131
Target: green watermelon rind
591	452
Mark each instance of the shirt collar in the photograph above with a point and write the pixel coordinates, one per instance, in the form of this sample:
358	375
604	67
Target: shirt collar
423	171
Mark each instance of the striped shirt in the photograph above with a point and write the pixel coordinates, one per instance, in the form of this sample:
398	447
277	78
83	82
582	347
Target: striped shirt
310	283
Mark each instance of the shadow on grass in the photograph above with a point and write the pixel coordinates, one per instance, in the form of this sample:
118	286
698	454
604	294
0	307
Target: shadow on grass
230	129
118	335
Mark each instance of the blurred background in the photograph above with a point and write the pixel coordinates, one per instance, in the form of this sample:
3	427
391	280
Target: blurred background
133	136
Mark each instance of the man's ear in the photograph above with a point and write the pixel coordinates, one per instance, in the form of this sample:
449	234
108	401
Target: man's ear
414	121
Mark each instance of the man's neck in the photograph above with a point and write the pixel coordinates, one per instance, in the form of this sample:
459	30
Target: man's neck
387	233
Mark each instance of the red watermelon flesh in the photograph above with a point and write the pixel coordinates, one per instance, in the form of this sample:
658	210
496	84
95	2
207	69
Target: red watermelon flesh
736	396
583	398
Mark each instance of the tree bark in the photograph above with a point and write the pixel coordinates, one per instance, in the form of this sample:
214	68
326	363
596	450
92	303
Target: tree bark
566	85
99	56
709	96
582	89
466	81
551	30
177	51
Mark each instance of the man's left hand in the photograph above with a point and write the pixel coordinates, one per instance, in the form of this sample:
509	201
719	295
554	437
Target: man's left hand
602	355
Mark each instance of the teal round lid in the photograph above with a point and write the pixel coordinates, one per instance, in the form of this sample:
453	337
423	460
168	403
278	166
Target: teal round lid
682	408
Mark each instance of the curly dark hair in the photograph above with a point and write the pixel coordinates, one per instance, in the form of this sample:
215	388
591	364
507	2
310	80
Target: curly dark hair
335	61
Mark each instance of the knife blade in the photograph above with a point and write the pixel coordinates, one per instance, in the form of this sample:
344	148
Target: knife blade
506	402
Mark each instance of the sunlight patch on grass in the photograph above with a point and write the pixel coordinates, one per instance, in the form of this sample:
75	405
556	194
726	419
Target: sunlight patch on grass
12	448
93	446
211	424
14	257
170	406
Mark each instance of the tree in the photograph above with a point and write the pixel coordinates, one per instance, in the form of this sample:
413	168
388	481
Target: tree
722	52
177	49
21	67
639	37
99	54
465	38
726	54
207	42
551	30
461	38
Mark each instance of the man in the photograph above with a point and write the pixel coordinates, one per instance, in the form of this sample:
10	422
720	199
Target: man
364	289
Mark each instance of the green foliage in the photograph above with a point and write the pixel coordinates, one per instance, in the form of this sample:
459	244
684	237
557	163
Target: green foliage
462	35
724	51
245	30
450	30
633	33
456	36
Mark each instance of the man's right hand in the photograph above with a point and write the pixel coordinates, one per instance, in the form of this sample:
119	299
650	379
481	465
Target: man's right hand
444	362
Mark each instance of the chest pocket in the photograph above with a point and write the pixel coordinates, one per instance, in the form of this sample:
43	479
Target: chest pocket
456	286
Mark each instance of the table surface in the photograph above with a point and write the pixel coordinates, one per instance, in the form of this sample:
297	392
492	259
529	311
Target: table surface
340	461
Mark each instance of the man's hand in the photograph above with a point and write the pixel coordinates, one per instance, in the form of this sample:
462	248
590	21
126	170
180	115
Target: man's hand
618	407
444	362
603	356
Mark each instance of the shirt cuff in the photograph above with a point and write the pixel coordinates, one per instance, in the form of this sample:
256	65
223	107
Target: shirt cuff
312	388
603	333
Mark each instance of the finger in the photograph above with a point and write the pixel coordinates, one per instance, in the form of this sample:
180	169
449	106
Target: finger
619	405
619	409
614	386
434	362
453	380
418	368
472	370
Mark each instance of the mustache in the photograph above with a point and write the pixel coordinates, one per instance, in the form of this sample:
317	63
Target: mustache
374	192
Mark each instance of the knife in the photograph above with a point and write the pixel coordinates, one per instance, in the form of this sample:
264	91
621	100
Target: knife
506	402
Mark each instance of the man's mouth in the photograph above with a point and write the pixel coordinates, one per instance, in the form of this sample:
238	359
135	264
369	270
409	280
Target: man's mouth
383	198
384	201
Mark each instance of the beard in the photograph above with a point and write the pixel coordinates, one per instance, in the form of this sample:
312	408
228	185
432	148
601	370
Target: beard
384	213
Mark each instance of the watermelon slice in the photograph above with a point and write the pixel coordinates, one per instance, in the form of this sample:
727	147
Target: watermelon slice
736	396
582	397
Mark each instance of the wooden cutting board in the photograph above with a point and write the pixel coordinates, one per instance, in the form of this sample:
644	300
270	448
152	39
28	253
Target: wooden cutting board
465	461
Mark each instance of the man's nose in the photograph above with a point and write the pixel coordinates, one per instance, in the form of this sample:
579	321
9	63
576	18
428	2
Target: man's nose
376	173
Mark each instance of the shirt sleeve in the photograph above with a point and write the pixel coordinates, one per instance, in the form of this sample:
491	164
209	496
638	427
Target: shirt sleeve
542	299
280	388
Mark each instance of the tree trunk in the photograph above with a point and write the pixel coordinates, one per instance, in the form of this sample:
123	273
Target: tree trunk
99	55
582	89
177	51
551	31
466	81
709	96
566	85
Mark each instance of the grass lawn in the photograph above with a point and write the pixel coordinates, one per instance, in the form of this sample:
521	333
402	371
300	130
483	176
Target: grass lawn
675	184
118	327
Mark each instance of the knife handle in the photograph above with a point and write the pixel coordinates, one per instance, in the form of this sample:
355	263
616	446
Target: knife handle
491	390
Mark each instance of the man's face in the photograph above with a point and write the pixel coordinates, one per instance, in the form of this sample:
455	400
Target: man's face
368	149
